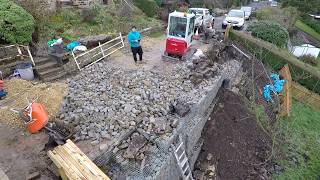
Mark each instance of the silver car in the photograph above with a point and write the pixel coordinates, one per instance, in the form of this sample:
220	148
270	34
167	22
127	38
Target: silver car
247	11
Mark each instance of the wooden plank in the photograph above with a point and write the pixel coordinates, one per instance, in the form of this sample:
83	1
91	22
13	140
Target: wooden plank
76	163
304	95
286	94
85	159
62	174
58	161
69	171
91	167
72	163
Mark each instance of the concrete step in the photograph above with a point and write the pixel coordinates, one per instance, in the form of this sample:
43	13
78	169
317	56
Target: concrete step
42	60
57	76
46	66
50	72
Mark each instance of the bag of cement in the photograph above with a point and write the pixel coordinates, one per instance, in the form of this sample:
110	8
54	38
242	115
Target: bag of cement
198	54
58	42
80	48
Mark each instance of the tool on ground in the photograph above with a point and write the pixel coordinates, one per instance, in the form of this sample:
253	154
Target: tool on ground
180	34
36	118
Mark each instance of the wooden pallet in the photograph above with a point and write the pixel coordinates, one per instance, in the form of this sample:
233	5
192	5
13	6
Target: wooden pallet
73	164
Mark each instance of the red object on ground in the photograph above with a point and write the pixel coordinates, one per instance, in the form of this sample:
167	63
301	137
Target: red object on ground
1	85
40	118
176	46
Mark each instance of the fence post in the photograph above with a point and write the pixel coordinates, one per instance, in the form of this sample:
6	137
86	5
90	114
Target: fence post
30	55
101	50
20	52
121	39
75	59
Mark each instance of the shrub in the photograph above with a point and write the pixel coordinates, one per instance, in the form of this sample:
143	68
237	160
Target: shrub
270	31
149	7
314	24
16	24
89	15
309	59
292	15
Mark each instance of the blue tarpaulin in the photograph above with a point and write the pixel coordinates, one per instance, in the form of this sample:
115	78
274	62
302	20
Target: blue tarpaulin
72	45
276	87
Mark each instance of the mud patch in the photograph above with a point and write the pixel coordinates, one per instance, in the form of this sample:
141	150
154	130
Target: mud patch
234	145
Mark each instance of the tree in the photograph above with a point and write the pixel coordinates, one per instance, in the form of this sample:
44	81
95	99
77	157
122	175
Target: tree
16	24
305	6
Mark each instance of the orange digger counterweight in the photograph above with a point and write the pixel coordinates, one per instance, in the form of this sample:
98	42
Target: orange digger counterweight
39	118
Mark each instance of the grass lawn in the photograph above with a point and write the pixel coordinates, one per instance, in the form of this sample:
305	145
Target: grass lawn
299	147
305	28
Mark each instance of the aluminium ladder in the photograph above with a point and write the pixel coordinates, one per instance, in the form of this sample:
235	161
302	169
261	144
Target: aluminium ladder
182	161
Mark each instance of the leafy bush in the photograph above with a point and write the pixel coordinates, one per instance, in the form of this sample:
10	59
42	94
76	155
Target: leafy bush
90	14
309	59
314	24
16	24
149	7
292	15
270	31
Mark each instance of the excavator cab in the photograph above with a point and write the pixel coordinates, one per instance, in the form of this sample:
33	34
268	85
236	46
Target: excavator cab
179	34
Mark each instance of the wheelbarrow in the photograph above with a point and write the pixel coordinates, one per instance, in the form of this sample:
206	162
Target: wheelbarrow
36	119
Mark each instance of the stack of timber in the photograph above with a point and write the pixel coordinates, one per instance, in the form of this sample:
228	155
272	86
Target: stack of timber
73	164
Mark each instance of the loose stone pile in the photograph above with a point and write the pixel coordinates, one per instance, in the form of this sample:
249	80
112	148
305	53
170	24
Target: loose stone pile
105	101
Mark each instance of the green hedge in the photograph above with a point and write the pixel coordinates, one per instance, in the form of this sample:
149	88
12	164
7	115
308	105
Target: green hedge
270	31
314	24
16	24
149	7
276	58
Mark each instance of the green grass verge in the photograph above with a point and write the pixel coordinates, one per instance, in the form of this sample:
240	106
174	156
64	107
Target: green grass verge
307	29
300	147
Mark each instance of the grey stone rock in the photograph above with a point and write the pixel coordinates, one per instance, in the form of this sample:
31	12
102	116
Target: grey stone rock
104	146
95	142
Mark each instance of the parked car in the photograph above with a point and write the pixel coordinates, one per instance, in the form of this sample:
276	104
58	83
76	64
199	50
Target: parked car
255	0
203	17
315	15
274	4
247	11
235	17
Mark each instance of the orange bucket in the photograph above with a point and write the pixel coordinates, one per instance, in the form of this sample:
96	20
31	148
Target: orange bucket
39	118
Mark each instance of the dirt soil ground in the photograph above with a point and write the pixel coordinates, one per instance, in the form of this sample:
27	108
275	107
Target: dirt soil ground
234	145
22	154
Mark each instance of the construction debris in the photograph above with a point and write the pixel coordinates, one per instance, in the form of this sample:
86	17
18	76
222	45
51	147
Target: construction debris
20	91
104	101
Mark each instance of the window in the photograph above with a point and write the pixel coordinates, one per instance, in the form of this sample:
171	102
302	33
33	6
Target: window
198	13
191	26
239	14
207	13
178	26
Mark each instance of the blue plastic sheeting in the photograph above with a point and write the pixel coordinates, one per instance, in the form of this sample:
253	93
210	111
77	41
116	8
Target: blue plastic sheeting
2	93
274	77
267	89
72	45
276	87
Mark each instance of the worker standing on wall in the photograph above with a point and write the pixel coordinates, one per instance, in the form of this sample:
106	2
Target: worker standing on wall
134	39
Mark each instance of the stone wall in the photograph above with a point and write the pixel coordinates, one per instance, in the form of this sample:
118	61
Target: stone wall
190	131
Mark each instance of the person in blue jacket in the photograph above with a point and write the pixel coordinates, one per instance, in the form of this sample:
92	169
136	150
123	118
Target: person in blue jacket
134	39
